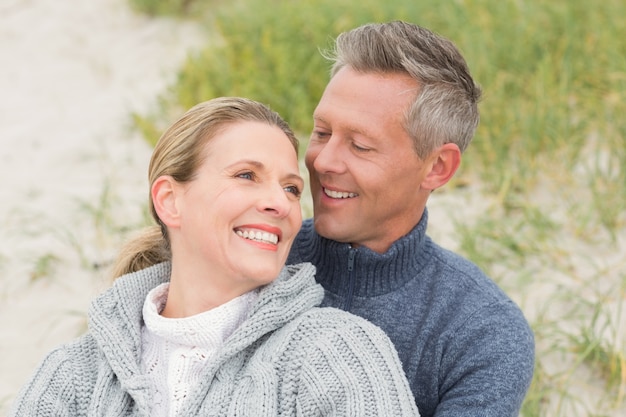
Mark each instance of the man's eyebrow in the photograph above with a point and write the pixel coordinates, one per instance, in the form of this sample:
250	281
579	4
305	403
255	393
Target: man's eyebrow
352	129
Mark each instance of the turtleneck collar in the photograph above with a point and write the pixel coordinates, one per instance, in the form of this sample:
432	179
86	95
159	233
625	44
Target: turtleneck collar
374	273
208	329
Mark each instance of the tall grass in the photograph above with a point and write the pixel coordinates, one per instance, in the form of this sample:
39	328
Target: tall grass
549	155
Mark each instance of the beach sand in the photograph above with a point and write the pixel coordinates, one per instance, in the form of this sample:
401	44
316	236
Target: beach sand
73	171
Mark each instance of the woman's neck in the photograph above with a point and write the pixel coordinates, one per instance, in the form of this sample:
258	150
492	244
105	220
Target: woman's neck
192	292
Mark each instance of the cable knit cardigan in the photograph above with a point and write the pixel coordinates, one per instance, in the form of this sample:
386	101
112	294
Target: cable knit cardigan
288	358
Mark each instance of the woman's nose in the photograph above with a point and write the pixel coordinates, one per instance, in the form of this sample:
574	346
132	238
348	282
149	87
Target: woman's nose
275	201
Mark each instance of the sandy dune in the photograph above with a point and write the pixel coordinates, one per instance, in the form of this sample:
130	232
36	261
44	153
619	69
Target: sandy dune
71	73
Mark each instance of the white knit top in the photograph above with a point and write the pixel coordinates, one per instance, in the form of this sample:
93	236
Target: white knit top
176	351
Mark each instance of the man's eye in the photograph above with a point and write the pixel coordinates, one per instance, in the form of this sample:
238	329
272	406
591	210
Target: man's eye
320	134
359	148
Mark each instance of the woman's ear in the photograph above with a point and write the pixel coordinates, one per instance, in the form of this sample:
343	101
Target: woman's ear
445	161
163	193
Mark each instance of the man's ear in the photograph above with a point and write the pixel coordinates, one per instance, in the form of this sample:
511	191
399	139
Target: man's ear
445	161
163	193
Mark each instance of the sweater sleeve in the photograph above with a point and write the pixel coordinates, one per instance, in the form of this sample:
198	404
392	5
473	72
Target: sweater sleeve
50	391
487	364
350	368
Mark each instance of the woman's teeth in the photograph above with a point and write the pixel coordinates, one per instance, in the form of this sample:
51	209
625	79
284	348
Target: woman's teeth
258	236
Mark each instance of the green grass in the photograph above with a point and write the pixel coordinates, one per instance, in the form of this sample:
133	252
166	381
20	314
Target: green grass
549	155
186	8
44	267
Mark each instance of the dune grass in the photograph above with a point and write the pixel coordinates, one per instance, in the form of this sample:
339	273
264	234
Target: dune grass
549	155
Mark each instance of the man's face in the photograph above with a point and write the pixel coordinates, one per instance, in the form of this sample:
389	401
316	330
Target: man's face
365	175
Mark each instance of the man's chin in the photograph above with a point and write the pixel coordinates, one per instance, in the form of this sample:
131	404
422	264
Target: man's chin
330	227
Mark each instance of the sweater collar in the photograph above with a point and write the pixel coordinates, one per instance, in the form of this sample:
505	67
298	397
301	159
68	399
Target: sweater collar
116	319
208	329
115	322
288	296
374	273
116	316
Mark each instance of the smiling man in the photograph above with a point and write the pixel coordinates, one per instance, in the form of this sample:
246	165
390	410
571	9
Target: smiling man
390	128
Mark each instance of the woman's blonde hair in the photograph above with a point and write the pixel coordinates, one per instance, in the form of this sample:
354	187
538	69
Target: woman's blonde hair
179	153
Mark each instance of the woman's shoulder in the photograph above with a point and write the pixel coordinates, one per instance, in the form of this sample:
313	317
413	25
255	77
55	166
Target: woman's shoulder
81	351
332	317
77	357
54	383
340	358
326	324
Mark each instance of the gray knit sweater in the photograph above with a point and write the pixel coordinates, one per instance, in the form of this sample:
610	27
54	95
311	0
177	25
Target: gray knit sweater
287	359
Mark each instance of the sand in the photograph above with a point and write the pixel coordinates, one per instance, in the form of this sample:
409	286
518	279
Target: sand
72	171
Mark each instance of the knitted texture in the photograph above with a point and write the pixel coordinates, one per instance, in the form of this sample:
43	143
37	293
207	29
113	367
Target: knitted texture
287	358
466	348
175	351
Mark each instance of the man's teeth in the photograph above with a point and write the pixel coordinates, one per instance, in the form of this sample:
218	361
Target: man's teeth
338	194
258	236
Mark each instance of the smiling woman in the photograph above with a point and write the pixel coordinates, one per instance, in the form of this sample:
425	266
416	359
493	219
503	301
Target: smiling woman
247	186
204	317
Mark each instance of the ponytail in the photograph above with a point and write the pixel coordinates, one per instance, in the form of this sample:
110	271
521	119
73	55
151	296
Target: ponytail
147	249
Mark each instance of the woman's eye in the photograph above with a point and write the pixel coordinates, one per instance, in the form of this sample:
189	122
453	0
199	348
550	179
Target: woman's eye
293	190
247	175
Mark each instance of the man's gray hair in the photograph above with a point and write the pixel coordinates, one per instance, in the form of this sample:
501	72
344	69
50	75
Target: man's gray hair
445	109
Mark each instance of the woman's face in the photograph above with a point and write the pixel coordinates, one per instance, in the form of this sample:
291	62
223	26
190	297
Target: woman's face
239	215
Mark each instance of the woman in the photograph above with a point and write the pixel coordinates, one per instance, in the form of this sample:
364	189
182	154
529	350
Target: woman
206	319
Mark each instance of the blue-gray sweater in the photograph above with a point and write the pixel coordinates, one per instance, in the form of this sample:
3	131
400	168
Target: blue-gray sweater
465	346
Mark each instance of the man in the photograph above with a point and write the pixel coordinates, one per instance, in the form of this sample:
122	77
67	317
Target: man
397	113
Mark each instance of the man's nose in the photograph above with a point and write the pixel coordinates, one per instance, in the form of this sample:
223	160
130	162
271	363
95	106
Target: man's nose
329	157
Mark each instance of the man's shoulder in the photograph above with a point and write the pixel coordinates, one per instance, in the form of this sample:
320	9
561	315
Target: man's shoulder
460	284
454	269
